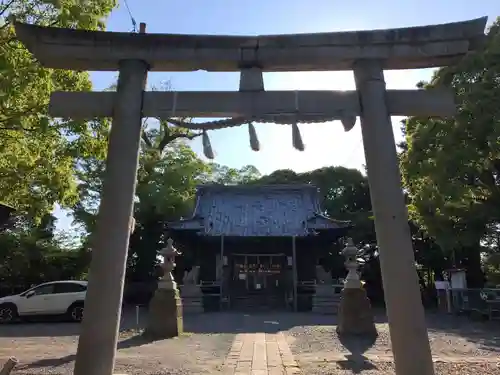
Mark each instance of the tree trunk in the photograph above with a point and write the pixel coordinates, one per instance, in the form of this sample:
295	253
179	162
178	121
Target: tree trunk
470	259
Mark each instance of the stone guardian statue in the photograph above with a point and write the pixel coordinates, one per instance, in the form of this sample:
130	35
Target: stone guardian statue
190	291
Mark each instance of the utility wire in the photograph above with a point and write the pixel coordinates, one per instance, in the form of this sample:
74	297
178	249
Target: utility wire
352	153
132	19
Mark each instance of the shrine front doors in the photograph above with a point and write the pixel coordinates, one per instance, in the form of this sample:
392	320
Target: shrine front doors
258	277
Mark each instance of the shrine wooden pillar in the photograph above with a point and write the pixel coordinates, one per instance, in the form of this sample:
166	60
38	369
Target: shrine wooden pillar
222	275
294	274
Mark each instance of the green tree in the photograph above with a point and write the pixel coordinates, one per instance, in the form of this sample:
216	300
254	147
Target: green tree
451	167
224	175
166	180
38	154
32	253
345	195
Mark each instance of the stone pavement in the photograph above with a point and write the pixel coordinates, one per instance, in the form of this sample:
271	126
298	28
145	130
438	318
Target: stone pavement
260	354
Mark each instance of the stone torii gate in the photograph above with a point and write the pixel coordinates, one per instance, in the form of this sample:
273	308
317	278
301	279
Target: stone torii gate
367	53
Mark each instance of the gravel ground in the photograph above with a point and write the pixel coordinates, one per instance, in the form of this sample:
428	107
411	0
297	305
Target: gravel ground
48	348
387	368
449	336
459	345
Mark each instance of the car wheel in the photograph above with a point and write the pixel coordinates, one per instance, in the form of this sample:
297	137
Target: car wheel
75	312
8	313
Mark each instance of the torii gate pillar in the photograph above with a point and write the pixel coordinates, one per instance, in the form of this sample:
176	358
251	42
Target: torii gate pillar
405	312
98	339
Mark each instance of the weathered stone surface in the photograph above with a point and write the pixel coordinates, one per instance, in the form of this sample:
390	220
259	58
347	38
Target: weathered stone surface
405	48
258	106
192	299
110	242
326	300
165	315
260	353
410	343
190	290
355	314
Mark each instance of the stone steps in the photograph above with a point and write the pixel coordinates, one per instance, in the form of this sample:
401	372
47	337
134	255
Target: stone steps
257	302
325	305
192	299
326	300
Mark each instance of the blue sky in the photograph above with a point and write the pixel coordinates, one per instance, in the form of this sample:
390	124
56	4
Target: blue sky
325	144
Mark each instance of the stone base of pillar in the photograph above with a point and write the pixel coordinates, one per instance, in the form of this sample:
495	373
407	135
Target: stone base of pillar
165	315
355	316
192	299
325	300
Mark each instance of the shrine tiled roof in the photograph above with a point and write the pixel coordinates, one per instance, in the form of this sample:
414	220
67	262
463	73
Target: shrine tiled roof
256	211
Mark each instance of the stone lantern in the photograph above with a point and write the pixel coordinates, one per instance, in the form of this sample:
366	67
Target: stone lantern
351	252
355	314
165	308
168	264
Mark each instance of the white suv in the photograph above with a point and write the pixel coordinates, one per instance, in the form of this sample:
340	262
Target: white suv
53	298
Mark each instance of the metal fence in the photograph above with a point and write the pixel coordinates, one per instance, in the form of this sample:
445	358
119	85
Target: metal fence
482	302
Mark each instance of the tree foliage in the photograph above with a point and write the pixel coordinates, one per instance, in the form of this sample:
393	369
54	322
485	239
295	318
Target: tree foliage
345	195
38	154
31	252
451	167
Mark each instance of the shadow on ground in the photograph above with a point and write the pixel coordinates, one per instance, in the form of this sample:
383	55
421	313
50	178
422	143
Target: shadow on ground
224	322
130	342
356	362
134	341
269	322
59	327
486	334
48	362
483	333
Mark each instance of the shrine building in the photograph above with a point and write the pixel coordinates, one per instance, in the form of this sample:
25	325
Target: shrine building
257	246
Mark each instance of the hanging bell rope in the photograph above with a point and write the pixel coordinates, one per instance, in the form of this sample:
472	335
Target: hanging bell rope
298	144
254	140
207	146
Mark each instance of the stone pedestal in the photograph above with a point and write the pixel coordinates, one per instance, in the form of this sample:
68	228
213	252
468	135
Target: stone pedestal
165	308
325	299
165	315
442	300
192	299
355	315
